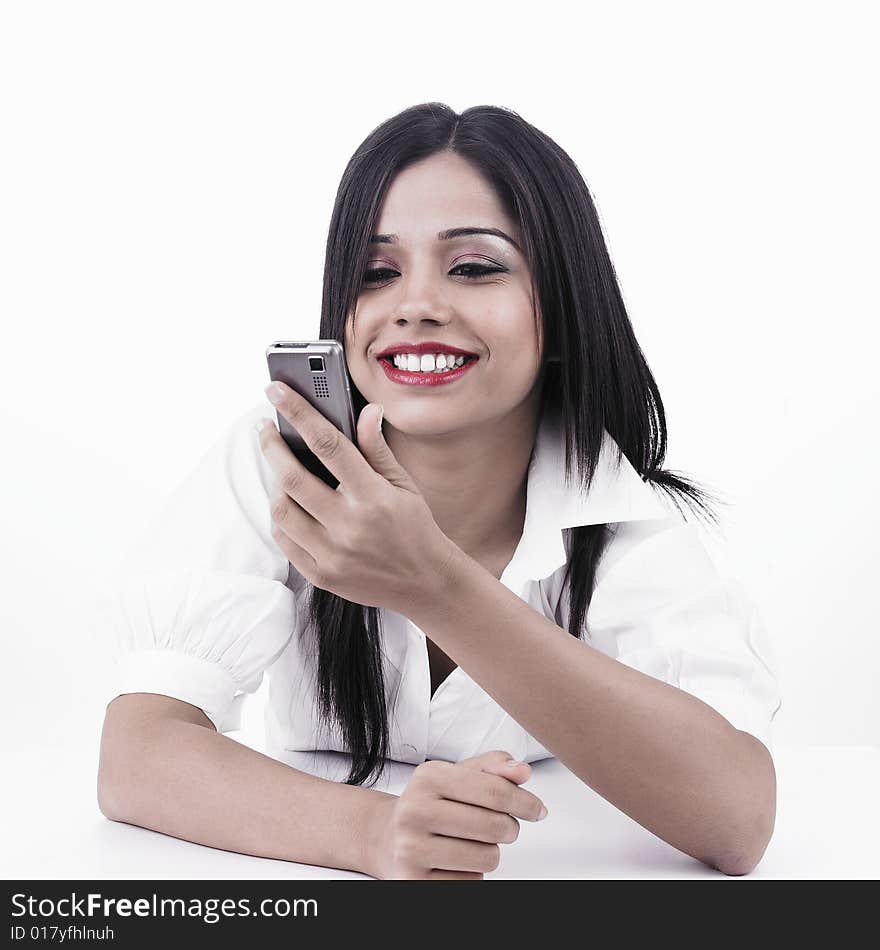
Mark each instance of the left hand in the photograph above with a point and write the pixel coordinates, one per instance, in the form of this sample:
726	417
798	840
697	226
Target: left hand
372	540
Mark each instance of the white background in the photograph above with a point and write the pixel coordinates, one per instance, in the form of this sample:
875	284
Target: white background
167	175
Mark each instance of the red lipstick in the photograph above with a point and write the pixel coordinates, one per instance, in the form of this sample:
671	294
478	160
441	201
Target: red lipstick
427	378
429	346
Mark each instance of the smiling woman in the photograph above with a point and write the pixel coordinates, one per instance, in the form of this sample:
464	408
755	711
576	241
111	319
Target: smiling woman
430	291
505	568
476	234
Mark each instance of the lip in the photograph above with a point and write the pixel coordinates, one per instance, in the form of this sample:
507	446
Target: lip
407	378
429	346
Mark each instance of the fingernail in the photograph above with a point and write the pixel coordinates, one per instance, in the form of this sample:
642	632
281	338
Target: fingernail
261	424
274	394
381	413
543	813
512	763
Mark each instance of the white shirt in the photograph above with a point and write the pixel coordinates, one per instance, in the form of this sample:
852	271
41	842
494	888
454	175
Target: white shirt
206	603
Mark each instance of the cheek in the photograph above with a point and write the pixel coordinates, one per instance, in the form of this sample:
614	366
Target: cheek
360	329
512	372
354	326
348	338
515	344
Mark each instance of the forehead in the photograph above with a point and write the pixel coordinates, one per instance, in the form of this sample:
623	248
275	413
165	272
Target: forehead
440	192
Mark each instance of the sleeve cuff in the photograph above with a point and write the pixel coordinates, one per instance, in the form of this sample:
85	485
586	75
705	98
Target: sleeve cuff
181	676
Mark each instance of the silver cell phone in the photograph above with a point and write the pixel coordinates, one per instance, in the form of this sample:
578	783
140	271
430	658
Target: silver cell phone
316	370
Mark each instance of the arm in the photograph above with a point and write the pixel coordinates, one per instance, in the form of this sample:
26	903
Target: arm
164	766
659	754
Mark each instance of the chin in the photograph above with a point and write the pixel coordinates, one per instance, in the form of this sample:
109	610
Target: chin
421	421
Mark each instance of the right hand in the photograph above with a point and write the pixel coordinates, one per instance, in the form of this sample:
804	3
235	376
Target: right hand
448	821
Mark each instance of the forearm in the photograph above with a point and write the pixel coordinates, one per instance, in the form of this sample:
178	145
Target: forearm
662	756
191	782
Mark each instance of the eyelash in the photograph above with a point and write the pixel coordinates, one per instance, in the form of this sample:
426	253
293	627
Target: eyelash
482	272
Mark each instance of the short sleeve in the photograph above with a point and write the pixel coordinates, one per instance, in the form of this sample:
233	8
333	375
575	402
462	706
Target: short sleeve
200	607
660	606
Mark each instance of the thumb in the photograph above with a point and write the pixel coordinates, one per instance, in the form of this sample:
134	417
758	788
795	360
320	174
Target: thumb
375	450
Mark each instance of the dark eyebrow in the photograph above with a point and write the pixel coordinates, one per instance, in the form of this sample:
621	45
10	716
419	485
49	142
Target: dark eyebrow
449	235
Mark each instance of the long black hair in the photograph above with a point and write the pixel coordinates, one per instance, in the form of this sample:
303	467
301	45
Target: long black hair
601	379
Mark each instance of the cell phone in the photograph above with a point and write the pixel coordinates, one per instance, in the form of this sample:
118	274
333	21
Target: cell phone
316	370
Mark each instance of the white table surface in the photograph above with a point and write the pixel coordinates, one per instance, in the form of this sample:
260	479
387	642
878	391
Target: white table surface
826	827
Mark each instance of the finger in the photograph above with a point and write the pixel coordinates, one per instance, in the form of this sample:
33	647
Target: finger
295	480
334	449
499	763
301	560
458	854
298	556
296	523
457	820
486	790
518	772
438	875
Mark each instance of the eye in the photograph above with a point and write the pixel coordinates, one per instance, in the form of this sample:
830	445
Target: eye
474	272
376	274
477	270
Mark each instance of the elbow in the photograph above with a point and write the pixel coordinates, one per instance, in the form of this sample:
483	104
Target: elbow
743	860
757	816
736	870
109	802
746	850
119	785
111	779
746	855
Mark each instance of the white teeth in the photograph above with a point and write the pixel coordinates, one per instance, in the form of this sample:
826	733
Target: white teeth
428	363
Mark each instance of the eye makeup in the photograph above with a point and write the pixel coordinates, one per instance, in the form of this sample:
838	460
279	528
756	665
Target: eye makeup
468	270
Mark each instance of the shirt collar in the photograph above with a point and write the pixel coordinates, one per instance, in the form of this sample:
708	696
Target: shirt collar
617	493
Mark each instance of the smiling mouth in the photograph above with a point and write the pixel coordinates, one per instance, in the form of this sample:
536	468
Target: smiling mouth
427	379
389	360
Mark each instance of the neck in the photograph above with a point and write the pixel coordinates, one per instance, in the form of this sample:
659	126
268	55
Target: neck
474	477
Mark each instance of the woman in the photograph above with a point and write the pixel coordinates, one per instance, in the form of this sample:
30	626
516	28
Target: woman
434	608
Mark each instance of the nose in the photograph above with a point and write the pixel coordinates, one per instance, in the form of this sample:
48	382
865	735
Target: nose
401	320
421	302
